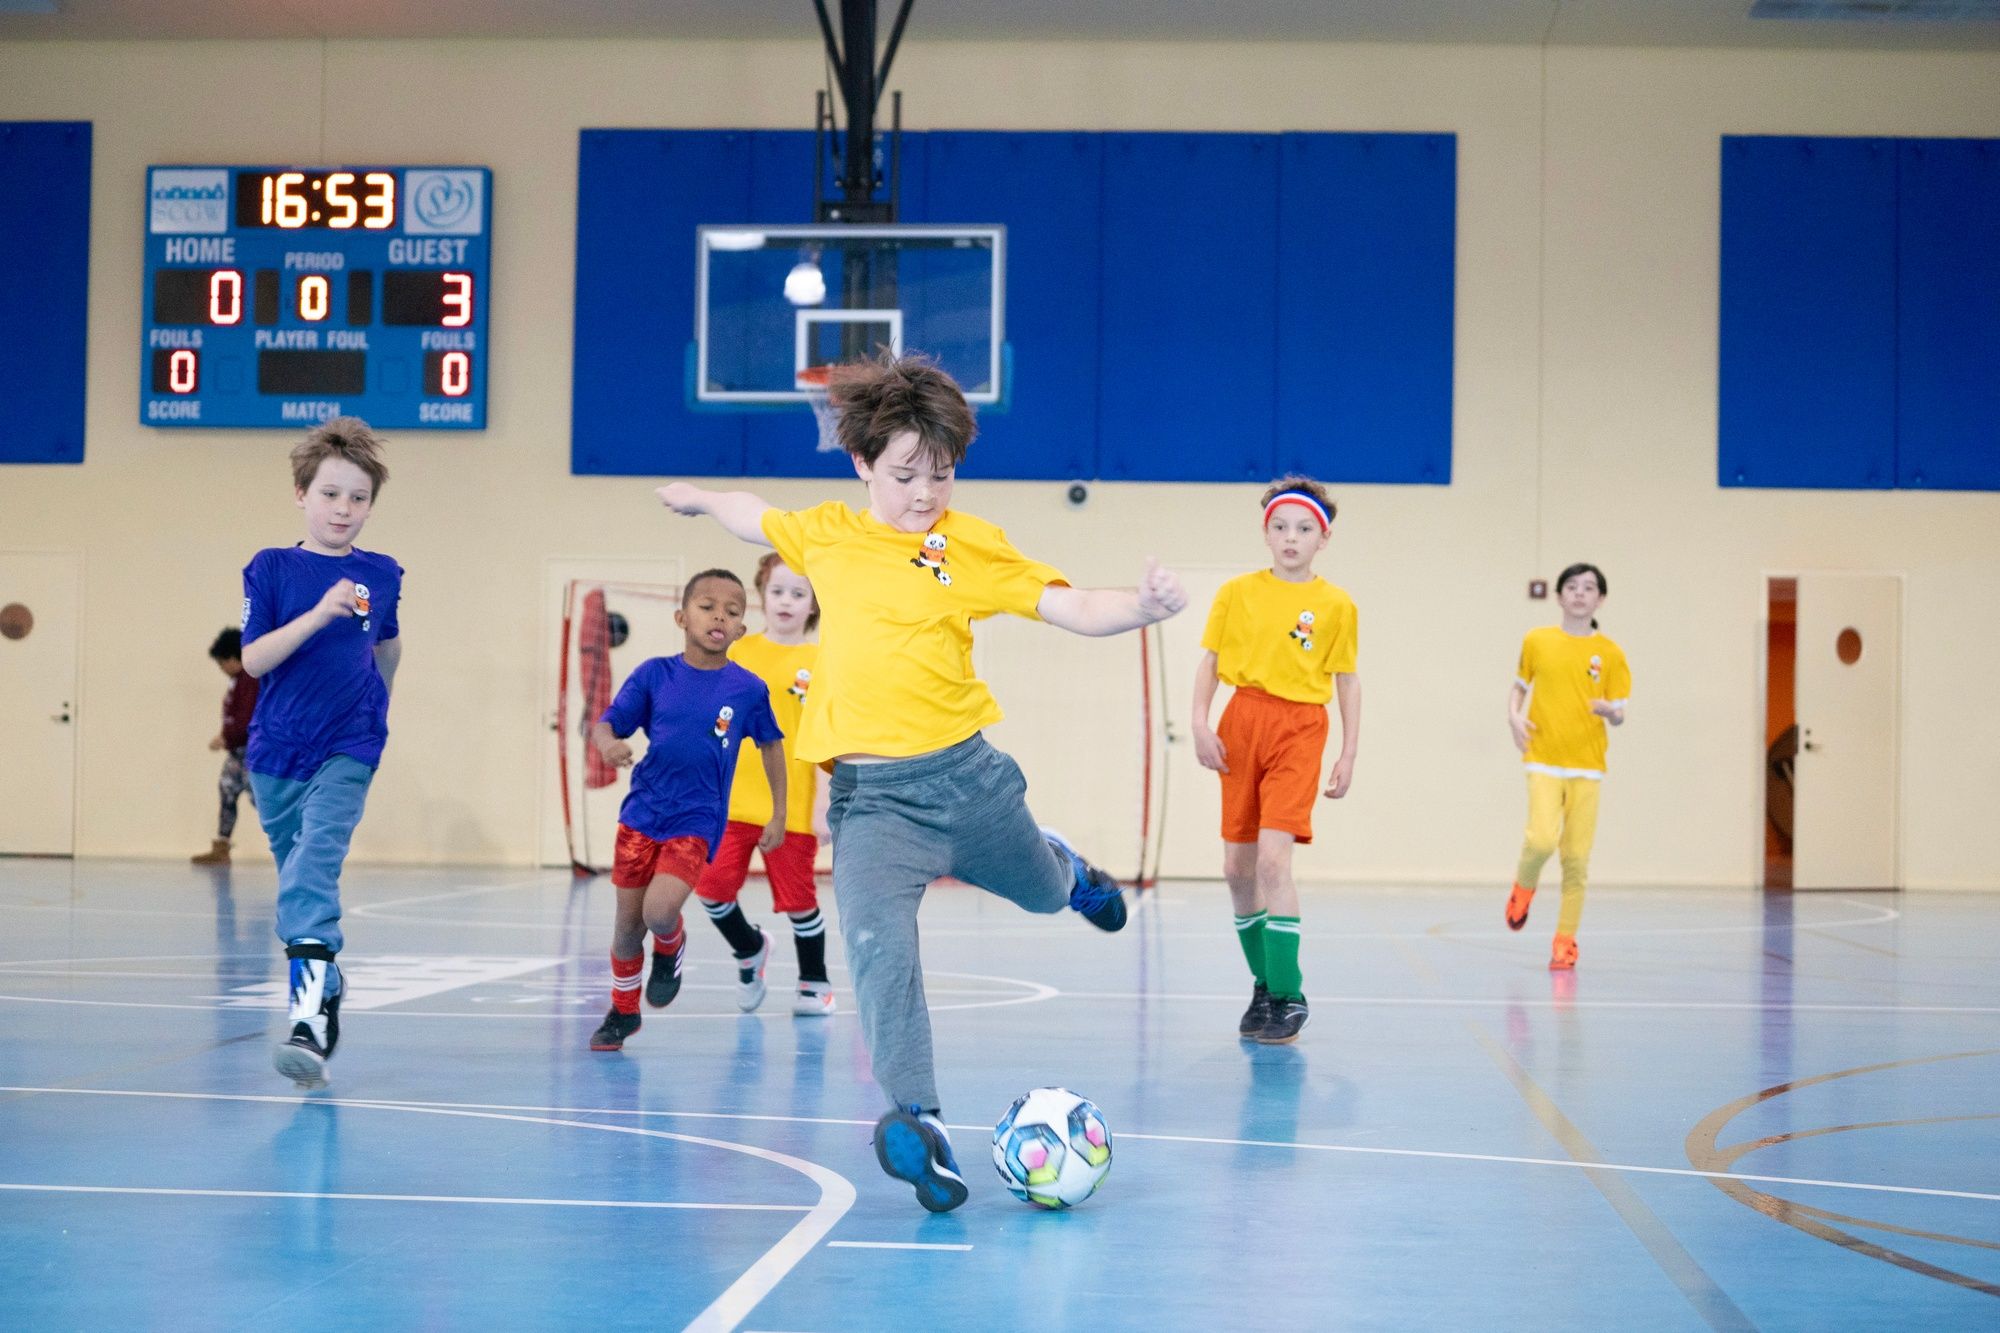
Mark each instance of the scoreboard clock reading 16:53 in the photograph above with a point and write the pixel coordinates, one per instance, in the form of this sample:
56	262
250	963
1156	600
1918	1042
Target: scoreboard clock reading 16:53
281	296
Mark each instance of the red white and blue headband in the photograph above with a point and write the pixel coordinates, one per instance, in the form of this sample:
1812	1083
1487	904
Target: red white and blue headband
1299	498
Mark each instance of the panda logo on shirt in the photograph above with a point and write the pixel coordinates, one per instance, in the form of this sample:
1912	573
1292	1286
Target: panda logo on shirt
1302	632
800	684
722	720
931	557
1596	667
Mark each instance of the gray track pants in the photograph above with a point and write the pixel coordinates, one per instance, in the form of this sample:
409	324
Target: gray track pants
896	827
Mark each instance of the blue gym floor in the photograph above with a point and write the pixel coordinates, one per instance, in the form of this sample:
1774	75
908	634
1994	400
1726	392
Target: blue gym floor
1744	1110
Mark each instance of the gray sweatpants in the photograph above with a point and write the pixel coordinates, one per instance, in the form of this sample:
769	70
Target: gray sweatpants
896	827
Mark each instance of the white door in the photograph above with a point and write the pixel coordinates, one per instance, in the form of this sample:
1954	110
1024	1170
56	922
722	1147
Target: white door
38	632
1848	683
646	593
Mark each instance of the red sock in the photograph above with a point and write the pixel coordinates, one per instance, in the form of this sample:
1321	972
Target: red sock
671	944
625	983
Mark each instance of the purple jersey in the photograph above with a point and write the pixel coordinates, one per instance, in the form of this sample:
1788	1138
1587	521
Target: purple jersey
327	698
695	722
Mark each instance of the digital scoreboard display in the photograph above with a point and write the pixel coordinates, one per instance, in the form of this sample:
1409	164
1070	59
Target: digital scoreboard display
281	296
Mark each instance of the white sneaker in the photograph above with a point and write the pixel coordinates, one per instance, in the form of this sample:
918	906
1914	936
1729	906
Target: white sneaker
750	975
814	1000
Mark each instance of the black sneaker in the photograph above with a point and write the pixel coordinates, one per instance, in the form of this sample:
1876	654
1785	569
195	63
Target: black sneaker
612	1032
1257	1015
315	1016
302	1057
1096	895
912	1145
664	982
1288	1019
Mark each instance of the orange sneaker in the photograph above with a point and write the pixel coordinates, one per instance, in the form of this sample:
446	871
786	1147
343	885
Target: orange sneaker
1517	907
1562	954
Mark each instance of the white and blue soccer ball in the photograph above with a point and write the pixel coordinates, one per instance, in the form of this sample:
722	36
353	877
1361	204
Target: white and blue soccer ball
1052	1148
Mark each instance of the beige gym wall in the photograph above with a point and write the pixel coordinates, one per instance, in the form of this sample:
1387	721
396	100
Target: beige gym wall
1585	429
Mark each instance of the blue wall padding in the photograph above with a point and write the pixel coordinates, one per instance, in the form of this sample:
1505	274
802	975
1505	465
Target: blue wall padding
44	288
1948	401
1048	189
1366	236
1807	326
1189	357
639	192
1145	327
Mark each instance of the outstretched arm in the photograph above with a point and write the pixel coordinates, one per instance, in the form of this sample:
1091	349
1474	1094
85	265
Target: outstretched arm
1098	612
740	513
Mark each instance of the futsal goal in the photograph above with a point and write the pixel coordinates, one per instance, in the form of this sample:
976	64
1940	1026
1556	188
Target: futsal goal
1088	721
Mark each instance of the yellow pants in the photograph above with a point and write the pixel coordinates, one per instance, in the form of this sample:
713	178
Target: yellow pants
1562	816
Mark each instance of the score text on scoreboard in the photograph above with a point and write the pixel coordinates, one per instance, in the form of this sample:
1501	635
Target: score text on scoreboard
280	296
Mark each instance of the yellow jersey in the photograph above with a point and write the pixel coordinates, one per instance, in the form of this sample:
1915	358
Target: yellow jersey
788	669
1564	673
1286	639
895	632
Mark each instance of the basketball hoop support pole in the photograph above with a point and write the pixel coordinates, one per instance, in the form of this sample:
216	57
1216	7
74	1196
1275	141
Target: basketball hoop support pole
860	79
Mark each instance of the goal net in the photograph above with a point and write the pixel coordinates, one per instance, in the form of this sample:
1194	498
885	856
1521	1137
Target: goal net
1087	721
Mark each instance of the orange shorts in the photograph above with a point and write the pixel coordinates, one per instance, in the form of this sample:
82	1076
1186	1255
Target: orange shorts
639	858
1273	748
789	866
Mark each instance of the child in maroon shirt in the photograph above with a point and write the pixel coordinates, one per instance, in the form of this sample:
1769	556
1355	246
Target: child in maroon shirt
237	705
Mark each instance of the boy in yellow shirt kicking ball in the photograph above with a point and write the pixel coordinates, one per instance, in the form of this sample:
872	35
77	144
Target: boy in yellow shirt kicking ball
917	793
1285	638
1572	681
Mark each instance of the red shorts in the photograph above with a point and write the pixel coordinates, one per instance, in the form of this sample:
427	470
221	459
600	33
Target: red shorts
1273	748
639	858
789	866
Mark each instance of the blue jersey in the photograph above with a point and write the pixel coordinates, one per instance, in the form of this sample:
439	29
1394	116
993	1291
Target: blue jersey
695	722
327	698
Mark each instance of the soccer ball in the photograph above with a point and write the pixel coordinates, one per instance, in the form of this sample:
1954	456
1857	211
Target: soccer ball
1052	1148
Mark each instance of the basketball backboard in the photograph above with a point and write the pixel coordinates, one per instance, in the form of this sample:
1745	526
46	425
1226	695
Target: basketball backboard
771	302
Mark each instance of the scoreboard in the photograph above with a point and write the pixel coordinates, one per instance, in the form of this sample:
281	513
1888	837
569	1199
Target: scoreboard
281	296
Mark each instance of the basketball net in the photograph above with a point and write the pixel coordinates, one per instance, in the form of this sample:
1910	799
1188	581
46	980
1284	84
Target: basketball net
814	383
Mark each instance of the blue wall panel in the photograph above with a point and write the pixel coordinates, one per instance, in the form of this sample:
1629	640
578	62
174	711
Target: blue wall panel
1046	188
44	288
640	195
1189	298
782	441
1367	225
1148	336
1807	388
1948	401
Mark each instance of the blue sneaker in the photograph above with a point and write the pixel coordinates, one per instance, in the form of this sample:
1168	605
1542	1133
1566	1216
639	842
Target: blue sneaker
912	1145
1095	894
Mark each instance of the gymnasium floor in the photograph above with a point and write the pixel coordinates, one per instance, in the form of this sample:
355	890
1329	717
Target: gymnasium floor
1743	1111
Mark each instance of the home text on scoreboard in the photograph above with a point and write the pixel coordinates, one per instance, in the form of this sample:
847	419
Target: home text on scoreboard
282	296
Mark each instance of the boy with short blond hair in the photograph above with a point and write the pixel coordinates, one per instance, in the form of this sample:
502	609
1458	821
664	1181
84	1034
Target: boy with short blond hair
321	636
917	792
1285	638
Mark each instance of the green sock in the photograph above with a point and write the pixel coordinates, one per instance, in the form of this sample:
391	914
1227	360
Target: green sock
1250	934
1281	958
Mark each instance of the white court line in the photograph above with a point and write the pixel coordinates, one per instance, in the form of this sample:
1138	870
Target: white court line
1358	1001
889	1245
34	1188
836	1193
470	1108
